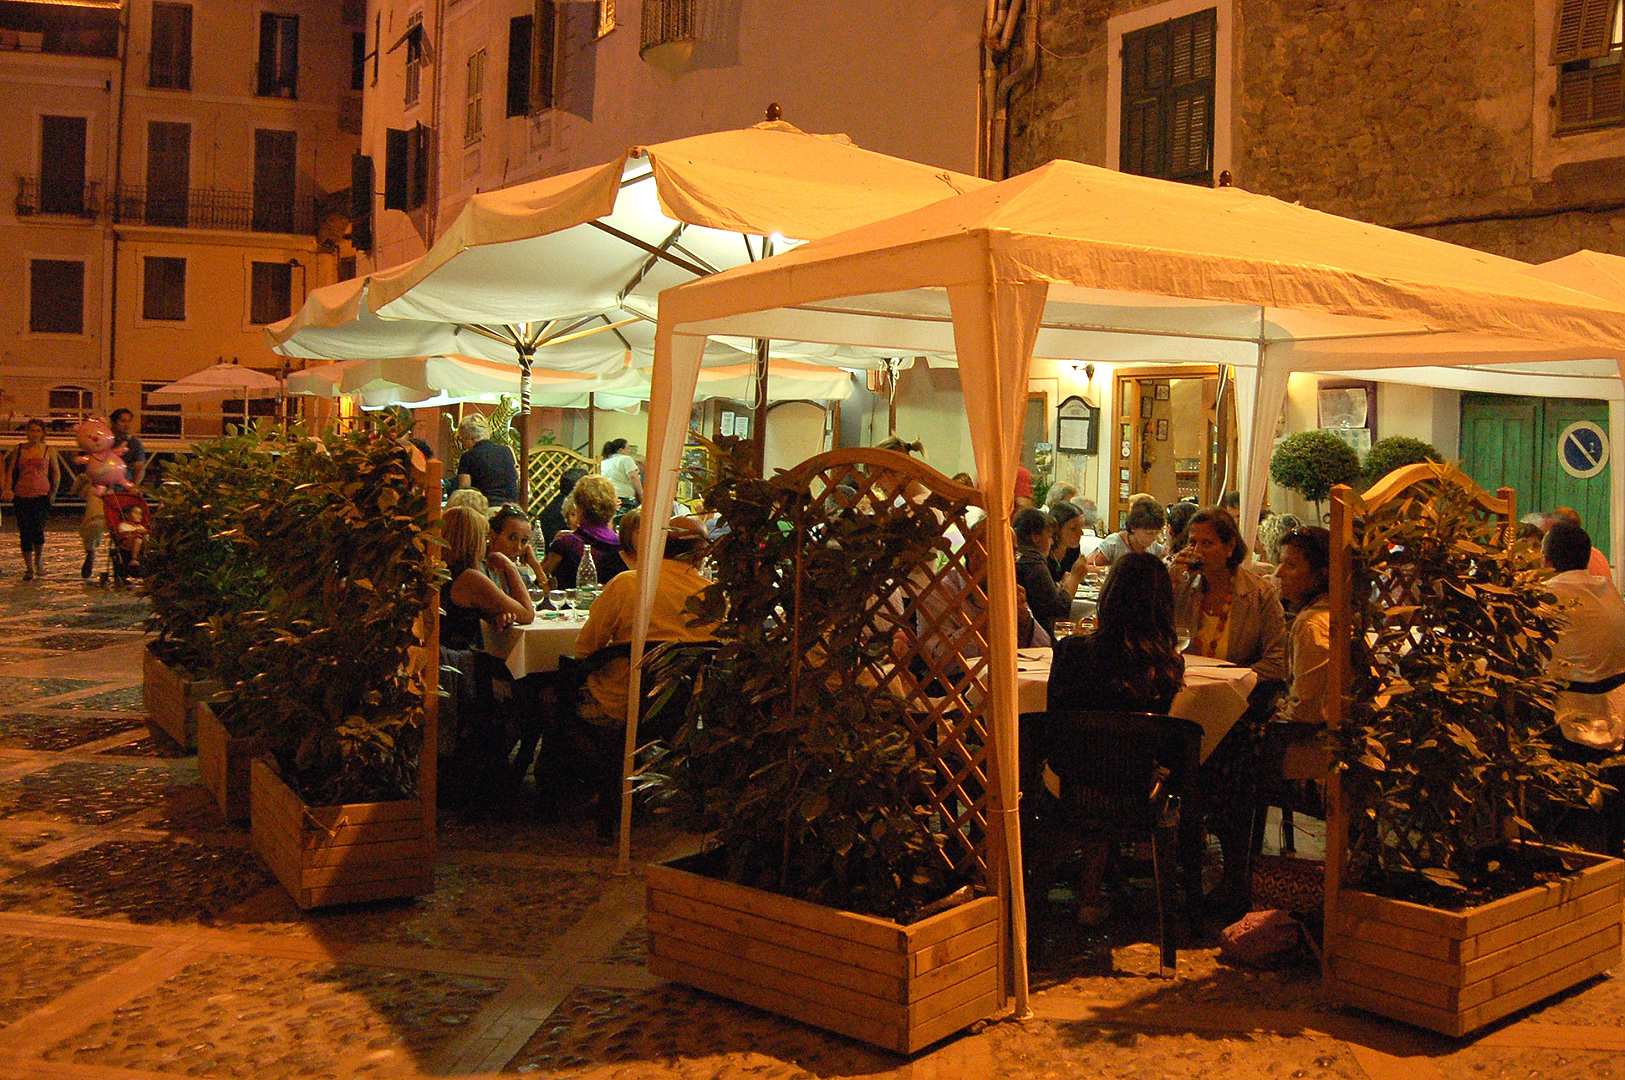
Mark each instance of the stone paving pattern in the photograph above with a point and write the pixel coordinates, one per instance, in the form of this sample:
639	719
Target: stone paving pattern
140	938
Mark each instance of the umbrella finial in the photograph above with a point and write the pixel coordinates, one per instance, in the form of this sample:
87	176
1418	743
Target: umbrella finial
774	112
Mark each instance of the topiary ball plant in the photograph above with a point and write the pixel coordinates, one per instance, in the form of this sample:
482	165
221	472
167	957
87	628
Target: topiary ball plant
1396	452
1312	463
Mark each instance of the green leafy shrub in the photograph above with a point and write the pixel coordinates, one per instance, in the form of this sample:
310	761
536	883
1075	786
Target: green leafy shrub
1447	748
1312	463
1395	452
328	668
801	767
193	573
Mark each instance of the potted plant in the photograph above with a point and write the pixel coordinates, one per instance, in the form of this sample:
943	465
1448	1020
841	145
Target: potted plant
338	669
1395	452
834	888
1449	914
1312	463
193	576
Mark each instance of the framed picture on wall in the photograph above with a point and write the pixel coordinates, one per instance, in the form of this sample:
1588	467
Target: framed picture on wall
1146	404
1162	391
1077	427
1162	431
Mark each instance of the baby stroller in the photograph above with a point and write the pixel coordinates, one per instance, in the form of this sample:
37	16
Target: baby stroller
128	520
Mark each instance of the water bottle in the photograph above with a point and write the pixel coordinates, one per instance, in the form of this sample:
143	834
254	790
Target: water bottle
587	578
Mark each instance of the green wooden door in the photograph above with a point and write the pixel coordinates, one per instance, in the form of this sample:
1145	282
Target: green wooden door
1513	442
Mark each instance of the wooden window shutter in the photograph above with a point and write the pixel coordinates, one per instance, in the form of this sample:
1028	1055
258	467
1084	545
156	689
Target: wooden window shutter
417	152
397	185
1591	96
361	202
519	31
543	49
1141	138
1584	30
1190	141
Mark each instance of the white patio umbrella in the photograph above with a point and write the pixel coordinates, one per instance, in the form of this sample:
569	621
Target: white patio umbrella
218	382
1070	261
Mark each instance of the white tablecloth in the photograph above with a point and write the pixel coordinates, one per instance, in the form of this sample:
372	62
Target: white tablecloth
535	647
1214	694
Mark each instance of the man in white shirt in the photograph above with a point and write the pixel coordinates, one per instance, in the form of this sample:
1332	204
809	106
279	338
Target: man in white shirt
1590	655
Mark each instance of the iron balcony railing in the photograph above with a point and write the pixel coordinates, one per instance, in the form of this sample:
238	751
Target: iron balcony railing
75	200
209	208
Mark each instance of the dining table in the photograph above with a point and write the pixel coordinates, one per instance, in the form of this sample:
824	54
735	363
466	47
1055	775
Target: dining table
534	648
1214	693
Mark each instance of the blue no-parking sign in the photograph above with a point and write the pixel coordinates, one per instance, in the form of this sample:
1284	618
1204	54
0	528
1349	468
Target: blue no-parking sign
1583	449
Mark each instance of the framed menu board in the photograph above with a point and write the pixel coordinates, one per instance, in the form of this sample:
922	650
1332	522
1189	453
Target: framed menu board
1077	427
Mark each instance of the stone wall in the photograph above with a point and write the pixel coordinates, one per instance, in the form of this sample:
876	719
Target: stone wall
1429	115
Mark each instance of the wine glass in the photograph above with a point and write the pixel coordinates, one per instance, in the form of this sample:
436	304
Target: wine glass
572	598
1182	638
556	598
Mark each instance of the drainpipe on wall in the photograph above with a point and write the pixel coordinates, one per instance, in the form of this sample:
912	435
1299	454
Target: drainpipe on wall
992	28
432	222
998	138
110	245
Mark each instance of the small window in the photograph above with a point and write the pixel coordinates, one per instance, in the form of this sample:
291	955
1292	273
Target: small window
519	31
270	292
1587	47
158	419
62	165
56	296
279	55
170	63
358	60
474	107
414	58
163	289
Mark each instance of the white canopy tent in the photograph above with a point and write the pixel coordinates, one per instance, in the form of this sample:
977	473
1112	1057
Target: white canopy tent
1070	261
1459	362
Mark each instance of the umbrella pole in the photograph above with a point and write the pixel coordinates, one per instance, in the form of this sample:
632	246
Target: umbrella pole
525	357
759	413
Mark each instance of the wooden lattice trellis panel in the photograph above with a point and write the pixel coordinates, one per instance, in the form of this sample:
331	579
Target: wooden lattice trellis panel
547	464
935	618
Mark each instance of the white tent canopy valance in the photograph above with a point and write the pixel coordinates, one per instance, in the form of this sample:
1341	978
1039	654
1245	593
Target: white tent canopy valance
1077	262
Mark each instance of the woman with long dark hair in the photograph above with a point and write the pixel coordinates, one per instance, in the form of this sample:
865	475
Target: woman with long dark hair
1131	662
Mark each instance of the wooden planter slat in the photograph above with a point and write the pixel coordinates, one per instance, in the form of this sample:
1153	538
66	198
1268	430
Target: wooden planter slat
730	921
900	987
1454	972
347	864
169	697
223	763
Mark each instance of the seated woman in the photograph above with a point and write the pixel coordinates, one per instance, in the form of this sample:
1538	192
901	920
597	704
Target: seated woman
1141	531
1302	574
1130	663
596	502
1068	539
1048	599
1232	614
470	728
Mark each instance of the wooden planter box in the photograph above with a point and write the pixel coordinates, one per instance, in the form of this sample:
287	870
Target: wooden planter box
223	763
1455	971
894	986
170	697
326	855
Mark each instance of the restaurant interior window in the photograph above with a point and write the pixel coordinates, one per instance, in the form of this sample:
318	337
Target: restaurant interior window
62	165
1168	89
56	296
169	66
474	105
69	404
1588	50
158	419
279	55
270	292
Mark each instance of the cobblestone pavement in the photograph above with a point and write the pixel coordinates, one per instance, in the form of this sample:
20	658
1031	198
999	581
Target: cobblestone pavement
141	939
